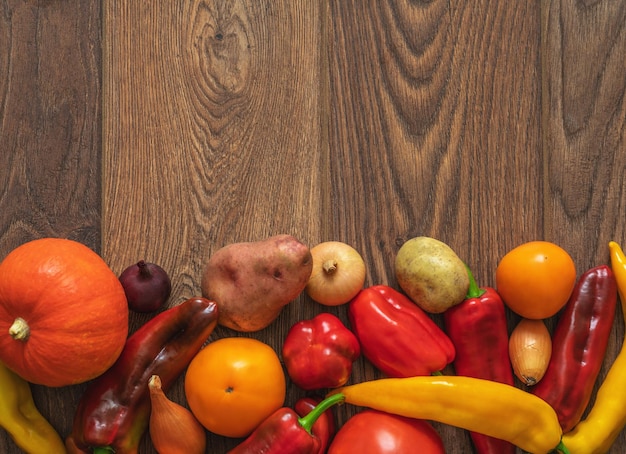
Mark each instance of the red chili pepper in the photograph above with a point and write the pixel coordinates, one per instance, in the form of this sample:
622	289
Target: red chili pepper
319	353
478	329
114	411
284	432
324	427
378	432
579	344
396	335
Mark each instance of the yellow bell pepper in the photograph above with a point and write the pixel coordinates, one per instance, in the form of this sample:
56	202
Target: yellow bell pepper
606	419
491	408
21	419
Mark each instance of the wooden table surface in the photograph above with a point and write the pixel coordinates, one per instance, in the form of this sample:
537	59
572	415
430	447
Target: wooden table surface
166	130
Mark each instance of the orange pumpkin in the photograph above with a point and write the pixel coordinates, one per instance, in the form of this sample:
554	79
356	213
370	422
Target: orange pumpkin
63	312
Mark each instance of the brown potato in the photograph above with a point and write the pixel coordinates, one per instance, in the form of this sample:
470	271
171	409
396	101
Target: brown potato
431	274
252	282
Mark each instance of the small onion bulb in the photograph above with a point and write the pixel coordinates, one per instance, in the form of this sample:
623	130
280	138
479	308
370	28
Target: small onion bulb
530	349
338	273
172	427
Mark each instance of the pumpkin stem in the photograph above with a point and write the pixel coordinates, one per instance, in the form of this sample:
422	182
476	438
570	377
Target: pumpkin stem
19	330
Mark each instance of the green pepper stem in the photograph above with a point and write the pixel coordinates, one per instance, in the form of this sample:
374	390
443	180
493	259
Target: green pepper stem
561	448
103	450
474	291
309	419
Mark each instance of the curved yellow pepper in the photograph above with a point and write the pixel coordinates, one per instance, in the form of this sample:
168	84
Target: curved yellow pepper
606	419
21	419
484	406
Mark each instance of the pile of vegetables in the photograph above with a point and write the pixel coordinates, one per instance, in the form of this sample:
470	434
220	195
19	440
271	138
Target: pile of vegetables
64	320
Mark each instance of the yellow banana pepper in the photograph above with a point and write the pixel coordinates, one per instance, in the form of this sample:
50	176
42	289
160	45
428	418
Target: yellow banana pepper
606	419
491	408
21	419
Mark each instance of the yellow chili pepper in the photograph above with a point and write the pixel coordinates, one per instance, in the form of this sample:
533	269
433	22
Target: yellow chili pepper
21	419
491	408
606	419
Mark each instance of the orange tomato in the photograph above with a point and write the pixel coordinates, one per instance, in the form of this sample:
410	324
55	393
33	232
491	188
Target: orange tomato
233	384
536	279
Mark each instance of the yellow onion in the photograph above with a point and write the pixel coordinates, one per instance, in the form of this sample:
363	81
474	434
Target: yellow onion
173	428
530	348
338	273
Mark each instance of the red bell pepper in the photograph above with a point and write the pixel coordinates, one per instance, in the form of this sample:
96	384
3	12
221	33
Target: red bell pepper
396	335
319	353
579	345
377	432
324	427
478	329
114	411
284	432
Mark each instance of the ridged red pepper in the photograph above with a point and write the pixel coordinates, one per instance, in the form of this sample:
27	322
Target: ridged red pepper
579	345
318	353
284	432
114	411
324	428
478	329
396	335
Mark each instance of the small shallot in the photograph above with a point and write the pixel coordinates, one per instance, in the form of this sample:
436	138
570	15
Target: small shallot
530	348
173	428
147	286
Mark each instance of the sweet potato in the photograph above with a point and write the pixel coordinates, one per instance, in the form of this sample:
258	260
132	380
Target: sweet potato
251	282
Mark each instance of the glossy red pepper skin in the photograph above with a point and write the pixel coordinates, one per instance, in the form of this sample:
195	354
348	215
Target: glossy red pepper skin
377	432
318	353
478	329
114	411
579	345
396	335
284	432
324	428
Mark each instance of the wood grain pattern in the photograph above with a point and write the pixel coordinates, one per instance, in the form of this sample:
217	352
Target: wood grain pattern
484	124
583	122
50	122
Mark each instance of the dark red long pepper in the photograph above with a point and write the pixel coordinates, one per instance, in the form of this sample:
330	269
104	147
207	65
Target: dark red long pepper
114	411
284	432
578	346
478	329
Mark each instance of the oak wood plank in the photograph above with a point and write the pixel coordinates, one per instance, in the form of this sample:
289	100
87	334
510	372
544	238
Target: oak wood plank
583	50
50	137
584	129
